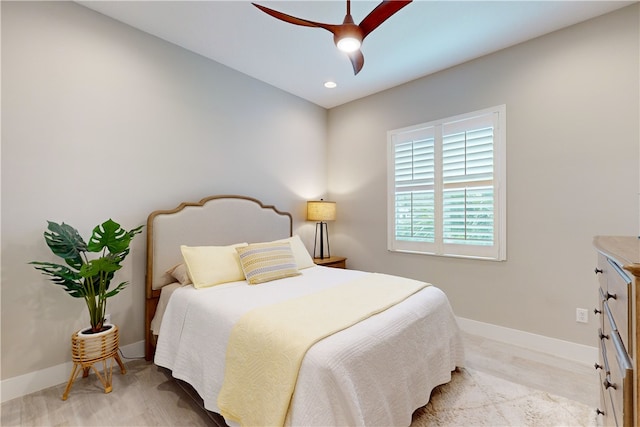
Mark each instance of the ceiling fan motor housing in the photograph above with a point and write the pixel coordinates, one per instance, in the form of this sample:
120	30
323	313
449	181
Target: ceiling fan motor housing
348	31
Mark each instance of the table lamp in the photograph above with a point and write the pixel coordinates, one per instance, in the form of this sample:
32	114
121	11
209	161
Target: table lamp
321	211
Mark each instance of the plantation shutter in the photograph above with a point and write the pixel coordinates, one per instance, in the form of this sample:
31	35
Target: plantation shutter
467	174
414	180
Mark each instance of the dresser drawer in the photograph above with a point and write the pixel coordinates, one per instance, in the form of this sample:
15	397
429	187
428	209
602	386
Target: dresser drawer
601	270
611	407
619	301
620	383
616	380
606	405
600	309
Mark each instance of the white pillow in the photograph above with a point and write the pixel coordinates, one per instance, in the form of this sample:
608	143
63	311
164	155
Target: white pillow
212	265
300	253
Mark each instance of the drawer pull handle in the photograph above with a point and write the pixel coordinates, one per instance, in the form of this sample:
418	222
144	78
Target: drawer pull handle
599	412
608	384
598	271
610	296
597	366
596	311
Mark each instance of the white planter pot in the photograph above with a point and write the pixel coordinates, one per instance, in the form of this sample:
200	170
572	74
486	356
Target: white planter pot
86	346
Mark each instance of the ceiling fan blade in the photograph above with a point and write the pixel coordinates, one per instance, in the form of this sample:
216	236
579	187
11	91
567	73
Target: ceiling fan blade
381	13
297	21
357	60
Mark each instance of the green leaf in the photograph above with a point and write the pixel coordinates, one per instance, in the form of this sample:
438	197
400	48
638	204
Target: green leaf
62	275
109	235
65	242
118	288
101	265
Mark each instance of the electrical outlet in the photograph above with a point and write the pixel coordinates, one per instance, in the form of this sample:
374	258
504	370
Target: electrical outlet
107	318
582	315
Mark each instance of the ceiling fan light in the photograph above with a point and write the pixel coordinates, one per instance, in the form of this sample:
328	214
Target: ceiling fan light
348	44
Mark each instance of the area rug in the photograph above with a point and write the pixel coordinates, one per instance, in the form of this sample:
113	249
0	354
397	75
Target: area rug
477	399
474	398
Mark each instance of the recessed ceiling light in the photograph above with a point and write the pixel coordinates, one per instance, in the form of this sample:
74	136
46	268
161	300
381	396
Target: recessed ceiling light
330	85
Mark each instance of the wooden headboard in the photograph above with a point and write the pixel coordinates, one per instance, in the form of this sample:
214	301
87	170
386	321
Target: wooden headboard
213	221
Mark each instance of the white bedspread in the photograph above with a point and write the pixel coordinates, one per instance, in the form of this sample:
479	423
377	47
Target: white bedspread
165	295
375	373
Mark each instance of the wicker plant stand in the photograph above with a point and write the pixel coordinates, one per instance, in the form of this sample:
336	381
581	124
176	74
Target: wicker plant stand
87	351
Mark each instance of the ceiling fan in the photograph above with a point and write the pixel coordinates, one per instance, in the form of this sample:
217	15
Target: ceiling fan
348	36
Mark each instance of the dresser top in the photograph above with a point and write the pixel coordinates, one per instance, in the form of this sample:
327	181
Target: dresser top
624	249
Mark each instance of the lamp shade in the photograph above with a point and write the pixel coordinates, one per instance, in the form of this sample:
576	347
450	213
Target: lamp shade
321	211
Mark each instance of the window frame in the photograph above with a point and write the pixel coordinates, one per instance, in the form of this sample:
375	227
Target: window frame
498	249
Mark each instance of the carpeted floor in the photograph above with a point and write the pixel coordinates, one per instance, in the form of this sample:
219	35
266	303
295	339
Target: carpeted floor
474	398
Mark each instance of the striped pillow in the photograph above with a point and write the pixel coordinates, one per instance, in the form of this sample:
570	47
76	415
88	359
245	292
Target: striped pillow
263	262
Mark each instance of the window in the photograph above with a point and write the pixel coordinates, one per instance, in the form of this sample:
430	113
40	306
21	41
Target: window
447	186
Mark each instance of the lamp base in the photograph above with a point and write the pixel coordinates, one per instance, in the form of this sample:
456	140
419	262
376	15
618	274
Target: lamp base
323	231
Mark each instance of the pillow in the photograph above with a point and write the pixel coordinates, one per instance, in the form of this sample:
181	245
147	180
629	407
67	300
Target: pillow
180	273
212	265
263	262
300	253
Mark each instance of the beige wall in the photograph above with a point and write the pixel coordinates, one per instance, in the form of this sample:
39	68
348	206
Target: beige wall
100	120
572	150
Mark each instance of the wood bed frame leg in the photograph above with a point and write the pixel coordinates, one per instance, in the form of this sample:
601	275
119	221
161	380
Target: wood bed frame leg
151	304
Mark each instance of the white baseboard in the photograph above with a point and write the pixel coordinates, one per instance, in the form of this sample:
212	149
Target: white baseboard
22	385
565	349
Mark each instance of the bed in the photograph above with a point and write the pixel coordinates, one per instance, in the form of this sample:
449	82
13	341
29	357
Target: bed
376	370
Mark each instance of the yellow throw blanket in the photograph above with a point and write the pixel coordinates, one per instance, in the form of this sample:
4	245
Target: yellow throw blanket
267	344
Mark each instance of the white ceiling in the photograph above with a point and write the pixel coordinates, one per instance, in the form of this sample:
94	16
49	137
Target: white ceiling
422	38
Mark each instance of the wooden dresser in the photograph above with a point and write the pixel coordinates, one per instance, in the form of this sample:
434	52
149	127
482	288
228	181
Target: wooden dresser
618	273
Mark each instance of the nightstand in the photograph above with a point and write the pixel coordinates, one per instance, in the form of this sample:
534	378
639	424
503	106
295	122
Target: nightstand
334	261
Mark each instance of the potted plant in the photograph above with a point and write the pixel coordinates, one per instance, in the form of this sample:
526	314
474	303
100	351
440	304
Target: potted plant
83	277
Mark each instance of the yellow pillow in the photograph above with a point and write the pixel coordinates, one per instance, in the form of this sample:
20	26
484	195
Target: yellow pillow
212	265
263	262
300	252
